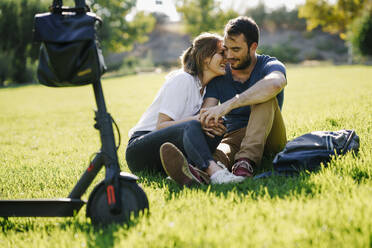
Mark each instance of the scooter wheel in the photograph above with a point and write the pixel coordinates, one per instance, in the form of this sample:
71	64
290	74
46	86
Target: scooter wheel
133	201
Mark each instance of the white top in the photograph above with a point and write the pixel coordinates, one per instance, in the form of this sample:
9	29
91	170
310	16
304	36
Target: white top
179	97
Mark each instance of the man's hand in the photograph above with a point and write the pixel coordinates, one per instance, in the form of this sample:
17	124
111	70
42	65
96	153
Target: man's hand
213	129
212	114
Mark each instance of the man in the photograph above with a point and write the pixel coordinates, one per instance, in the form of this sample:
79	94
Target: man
250	97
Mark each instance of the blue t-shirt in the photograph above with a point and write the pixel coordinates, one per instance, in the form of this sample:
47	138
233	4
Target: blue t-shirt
225	87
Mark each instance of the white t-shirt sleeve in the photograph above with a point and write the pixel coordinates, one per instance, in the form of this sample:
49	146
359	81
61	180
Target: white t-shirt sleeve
175	95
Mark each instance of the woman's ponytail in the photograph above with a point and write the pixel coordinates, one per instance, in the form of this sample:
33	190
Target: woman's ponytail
203	46
188	62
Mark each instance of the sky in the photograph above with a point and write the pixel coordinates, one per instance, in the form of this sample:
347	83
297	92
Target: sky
167	6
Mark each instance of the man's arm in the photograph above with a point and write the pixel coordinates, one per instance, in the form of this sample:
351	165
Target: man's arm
211	129
262	91
209	102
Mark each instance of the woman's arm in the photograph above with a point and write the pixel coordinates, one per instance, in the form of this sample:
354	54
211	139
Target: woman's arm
214	129
165	121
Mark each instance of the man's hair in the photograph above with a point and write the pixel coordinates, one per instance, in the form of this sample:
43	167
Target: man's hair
243	25
202	47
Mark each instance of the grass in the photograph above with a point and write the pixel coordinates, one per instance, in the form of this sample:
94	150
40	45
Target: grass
47	136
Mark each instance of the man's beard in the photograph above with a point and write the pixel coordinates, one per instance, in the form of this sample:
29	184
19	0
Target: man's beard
245	62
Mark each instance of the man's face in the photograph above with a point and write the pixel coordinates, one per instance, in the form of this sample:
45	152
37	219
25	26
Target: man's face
237	52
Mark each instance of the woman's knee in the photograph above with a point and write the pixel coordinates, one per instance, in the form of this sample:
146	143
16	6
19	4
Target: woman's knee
131	160
194	124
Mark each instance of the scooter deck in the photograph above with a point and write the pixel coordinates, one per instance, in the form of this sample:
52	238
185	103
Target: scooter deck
61	207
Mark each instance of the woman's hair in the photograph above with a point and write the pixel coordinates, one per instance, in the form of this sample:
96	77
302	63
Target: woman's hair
202	47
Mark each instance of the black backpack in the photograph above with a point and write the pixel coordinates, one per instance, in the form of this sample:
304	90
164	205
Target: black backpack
308	151
69	54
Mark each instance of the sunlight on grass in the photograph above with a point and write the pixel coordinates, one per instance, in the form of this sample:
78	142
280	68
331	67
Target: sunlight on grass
47	137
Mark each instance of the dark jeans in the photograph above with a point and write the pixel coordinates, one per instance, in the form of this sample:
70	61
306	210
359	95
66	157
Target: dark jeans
143	148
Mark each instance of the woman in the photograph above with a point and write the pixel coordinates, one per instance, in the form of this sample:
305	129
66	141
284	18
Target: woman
172	119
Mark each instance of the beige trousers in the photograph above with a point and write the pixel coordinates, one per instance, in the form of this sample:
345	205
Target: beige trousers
265	132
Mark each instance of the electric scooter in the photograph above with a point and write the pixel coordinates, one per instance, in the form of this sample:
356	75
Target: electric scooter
113	200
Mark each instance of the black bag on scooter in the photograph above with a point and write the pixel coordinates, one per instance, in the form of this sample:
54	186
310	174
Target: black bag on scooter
307	152
69	52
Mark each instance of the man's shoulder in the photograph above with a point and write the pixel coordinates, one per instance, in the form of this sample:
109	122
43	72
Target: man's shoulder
264	59
268	64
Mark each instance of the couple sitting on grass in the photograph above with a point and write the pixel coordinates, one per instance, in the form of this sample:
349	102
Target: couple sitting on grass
213	119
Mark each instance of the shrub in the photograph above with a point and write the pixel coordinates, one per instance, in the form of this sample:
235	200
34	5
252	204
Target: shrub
361	34
283	52
313	55
4	68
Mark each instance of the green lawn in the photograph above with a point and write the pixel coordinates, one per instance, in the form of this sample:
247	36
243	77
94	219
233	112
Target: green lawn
47	137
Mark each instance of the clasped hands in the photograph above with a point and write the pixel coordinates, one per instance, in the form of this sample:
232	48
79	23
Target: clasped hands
211	121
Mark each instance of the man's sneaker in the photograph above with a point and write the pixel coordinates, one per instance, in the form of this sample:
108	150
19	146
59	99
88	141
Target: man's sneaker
243	168
176	166
224	176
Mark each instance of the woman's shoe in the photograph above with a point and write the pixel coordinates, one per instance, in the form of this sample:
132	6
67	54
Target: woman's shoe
177	167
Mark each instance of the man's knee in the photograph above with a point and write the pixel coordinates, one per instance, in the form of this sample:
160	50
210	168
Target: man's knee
219	155
225	154
265	106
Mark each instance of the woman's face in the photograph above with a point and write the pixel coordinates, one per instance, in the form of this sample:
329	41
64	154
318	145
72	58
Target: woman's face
217	63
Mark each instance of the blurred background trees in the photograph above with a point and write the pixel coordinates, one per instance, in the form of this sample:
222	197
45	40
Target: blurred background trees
350	19
279	18
16	47
360	33
204	16
117	33
132	38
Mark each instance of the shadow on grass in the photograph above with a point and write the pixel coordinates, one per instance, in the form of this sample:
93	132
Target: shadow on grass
274	186
103	236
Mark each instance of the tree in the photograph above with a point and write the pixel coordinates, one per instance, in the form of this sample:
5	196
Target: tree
361	34
287	19
334	18
258	13
340	18
16	25
279	18
117	33
204	16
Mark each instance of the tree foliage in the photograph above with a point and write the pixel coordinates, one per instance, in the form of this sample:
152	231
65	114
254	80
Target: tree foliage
204	16
16	25
361	34
279	18
333	17
117	33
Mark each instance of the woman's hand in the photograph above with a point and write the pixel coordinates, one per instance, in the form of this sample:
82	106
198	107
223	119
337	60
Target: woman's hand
212	114
213	129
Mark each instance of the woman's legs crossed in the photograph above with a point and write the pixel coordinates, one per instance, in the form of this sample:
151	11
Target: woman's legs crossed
143	152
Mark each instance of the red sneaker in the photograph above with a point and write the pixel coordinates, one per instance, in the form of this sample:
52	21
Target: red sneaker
243	168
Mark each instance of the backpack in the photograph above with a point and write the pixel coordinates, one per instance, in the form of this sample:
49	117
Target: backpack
308	151
69	54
